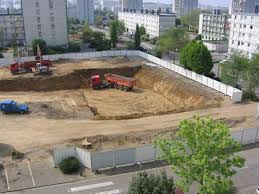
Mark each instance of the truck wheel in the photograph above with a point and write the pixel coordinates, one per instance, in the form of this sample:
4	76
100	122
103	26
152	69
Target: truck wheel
125	89
120	88
116	86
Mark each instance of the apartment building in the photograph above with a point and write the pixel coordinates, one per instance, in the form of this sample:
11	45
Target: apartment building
131	5
182	7
46	19
72	11
244	34
155	23
214	26
244	6
86	11
11	29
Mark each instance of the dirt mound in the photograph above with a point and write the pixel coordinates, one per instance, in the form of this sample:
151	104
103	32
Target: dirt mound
176	89
75	80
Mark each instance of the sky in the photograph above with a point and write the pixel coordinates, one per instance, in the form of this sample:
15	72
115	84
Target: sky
204	2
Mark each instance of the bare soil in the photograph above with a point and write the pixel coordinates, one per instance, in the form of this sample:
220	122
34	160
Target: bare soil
64	109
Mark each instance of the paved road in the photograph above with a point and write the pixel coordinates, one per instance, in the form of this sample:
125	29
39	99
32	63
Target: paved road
246	180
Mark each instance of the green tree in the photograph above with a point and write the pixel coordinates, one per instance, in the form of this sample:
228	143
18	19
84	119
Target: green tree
151	184
42	44
99	21
1	38
87	33
177	22
192	19
100	42
231	71
114	32
196	57
173	39
121	27
204	153
137	38
142	30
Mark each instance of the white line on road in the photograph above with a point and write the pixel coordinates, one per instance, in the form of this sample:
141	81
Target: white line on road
7	179
33	182
93	186
110	192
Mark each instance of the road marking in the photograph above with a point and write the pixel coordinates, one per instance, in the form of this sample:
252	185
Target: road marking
33	182
110	192
7	179
93	186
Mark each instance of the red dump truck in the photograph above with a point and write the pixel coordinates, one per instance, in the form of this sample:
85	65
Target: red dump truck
27	66
113	81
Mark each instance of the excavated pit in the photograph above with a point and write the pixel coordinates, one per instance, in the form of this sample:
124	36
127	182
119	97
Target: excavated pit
66	93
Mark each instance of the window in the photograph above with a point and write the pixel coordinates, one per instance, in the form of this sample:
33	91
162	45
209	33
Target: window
38	19
251	27
51	4
244	26
248	44
37	4
52	18
39	27
242	43
38	12
52	26
233	42
40	34
238	43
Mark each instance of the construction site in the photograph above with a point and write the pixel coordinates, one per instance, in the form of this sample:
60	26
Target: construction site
65	108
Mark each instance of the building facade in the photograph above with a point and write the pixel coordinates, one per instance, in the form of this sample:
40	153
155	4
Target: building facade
182	7
86	11
11	30
155	23
45	19
72	9
131	5
244	34
244	6
214	26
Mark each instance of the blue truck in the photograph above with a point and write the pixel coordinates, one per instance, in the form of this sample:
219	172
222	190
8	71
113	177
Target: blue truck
10	106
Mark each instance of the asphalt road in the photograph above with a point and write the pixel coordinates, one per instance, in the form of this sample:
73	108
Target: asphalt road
246	180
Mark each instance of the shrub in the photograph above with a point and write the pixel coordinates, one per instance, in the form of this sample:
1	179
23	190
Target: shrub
74	47
17	155
144	183
70	165
250	96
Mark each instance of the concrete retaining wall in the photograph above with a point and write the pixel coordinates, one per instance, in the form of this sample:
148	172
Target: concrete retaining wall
235	94
130	156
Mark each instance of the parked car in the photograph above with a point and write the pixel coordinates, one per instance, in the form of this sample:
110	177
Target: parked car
10	106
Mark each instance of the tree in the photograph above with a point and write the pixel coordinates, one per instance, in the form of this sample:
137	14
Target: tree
196	57
1	37
42	44
87	33
251	75
137	38
231	71
151	184
173	39
121	27
203	153
100	42
177	22
142	30
114	32
192	19
99	21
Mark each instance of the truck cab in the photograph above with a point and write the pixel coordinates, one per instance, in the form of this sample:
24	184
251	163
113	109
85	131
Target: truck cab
10	106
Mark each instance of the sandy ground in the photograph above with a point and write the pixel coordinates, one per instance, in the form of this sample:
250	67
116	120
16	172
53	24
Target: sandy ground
159	102
66	67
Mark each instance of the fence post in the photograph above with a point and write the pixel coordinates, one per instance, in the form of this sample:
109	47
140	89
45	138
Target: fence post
256	135
257	111
242	137
113	158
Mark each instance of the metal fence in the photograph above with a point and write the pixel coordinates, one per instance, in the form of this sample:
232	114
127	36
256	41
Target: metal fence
234	93
130	156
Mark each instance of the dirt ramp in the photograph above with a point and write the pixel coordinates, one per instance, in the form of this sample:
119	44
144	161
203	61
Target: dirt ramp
75	80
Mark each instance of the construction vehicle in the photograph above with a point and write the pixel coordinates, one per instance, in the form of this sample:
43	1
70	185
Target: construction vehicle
10	106
27	66
40	68
112	81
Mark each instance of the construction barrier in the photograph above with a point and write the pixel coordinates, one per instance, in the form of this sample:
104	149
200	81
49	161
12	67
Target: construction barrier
131	156
235	94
